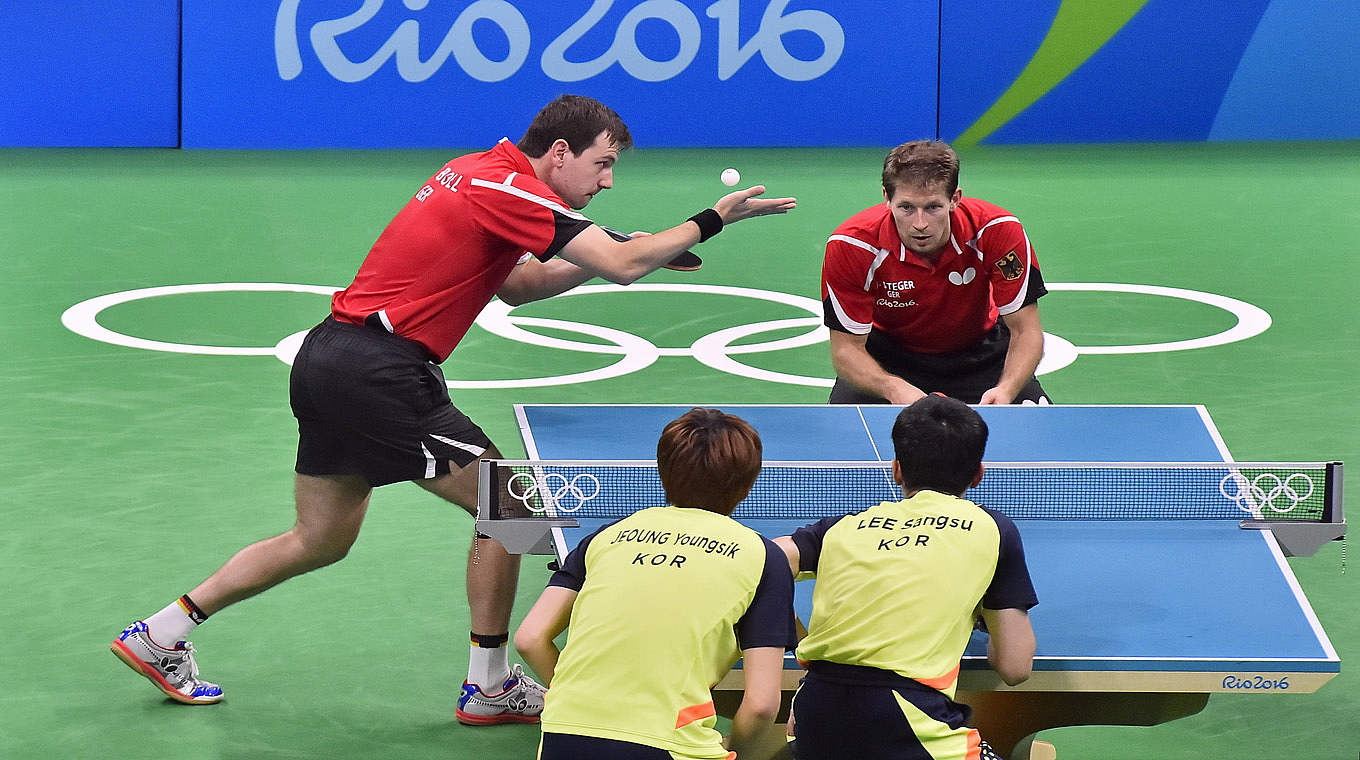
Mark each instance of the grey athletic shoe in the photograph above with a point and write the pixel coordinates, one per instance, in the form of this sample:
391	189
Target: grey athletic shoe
173	671
519	701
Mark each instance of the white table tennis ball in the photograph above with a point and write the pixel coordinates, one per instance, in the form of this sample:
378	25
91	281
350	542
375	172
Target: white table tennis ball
730	177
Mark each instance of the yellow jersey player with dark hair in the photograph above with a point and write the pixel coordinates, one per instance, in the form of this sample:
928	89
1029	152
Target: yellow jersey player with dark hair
899	587
660	605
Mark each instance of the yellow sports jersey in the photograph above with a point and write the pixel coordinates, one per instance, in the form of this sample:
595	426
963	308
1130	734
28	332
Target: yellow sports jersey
667	598
898	584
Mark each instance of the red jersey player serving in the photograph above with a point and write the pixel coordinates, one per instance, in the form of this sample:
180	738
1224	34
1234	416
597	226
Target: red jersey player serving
372	405
932	292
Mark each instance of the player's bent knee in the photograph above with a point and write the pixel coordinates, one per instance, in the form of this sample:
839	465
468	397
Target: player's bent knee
318	554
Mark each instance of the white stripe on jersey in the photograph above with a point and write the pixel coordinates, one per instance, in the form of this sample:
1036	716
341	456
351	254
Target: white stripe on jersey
879	255
509	189
850	325
1019	299
997	220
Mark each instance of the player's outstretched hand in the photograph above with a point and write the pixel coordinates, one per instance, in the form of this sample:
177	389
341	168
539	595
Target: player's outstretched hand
743	204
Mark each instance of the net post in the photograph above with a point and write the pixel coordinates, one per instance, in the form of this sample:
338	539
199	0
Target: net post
485	493
517	534
1303	539
1332	509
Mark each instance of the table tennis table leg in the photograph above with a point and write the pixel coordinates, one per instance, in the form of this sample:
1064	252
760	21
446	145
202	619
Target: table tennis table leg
1008	720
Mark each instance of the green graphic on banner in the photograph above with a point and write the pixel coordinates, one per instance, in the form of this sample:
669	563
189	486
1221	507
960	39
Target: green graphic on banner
1079	30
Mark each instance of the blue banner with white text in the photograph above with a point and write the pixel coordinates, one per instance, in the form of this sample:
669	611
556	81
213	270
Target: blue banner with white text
427	73
684	73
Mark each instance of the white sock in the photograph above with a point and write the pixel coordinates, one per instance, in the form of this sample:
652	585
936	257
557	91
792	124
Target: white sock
489	667
171	625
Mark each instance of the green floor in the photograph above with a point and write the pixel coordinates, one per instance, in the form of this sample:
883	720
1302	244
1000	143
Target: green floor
130	474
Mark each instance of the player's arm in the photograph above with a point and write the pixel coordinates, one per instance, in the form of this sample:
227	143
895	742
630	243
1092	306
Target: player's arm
803	547
848	310
766	631
533	280
546	619
790	549
624	262
1022	357
763	669
1010	644
852	362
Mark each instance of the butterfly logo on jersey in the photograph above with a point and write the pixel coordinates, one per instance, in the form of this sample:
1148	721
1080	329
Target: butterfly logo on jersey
964	277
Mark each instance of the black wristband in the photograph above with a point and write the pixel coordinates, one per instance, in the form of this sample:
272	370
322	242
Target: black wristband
710	223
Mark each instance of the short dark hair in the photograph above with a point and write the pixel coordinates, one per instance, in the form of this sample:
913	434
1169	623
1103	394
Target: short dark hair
576	119
938	443
708	459
921	163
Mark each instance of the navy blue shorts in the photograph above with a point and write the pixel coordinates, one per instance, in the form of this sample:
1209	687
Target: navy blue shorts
844	711
371	403
573	747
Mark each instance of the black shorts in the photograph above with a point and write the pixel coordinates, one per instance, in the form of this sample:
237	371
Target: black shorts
574	747
845	711
964	375
371	403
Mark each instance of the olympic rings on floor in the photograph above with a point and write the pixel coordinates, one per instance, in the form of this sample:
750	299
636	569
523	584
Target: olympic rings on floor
636	353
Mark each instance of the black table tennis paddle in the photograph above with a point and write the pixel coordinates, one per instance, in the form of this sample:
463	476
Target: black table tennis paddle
686	261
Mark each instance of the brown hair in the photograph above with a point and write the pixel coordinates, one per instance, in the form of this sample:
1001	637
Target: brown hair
576	119
921	163
708	459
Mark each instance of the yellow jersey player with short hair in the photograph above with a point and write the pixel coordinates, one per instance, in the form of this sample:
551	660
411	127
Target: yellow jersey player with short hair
660	605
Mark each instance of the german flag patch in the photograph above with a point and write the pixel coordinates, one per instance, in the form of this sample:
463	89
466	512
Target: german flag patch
1010	266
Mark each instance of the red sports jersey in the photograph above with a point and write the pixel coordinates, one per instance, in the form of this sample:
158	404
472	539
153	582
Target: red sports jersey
448	251
871	280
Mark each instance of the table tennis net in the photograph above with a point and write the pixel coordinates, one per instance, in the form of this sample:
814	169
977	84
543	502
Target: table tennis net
1052	491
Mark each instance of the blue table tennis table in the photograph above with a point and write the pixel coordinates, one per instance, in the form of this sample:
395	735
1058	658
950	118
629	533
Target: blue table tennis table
1139	621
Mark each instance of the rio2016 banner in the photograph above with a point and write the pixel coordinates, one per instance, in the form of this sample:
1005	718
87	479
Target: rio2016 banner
427	73
463	73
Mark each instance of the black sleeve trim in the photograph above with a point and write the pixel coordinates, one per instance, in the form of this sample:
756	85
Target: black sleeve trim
572	575
1035	288
829	317
769	621
1011	587
565	228
808	539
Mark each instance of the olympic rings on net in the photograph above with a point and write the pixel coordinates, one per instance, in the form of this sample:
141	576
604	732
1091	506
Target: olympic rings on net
551	488
1259	493
636	353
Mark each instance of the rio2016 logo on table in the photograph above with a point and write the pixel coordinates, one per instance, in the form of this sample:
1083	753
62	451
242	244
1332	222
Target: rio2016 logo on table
404	44
1255	683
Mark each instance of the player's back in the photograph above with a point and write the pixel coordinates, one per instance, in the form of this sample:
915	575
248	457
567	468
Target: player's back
652	627
897	586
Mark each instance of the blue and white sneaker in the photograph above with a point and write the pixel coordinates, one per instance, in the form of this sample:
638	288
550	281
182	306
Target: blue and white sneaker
519	701
173	671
